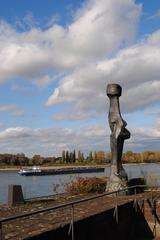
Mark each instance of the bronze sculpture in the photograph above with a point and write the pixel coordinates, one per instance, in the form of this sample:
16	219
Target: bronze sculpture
118	177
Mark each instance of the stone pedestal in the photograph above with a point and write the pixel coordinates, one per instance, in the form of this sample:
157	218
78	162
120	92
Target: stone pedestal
116	182
15	195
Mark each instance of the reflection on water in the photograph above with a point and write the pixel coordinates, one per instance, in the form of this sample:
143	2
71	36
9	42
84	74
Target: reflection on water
45	185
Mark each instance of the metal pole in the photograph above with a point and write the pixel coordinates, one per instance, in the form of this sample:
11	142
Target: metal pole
135	199
71	227
1	237
152	197
155	221
72	222
116	208
143	207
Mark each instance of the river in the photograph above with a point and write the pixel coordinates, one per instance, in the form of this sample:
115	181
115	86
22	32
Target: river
45	185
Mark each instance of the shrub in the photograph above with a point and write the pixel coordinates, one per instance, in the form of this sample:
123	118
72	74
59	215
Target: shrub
86	185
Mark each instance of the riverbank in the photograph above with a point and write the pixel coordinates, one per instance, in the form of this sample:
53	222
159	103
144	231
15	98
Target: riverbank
16	168
60	166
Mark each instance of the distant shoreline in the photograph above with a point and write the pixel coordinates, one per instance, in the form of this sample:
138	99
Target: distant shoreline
50	167
9	169
17	168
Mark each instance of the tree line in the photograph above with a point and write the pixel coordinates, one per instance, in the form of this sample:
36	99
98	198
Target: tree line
79	157
20	159
73	157
144	157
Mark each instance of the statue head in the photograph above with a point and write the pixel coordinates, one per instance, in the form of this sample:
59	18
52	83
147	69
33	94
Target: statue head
113	89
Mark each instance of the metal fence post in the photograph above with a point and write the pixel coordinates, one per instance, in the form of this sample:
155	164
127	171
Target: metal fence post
116	208
135	199
1	237
71	227
72	222
151	197
155	220
143	206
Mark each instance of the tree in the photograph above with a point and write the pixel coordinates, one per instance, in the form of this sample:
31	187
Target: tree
108	157
67	157
101	157
20	159
148	156
74	156
37	159
90	156
80	157
63	157
71	157
95	156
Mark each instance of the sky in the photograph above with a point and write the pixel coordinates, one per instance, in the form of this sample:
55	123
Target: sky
56	59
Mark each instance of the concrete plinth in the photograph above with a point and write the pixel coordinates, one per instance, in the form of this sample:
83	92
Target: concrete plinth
117	181
15	195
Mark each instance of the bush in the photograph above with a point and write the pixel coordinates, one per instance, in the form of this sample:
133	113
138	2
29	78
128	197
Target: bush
87	185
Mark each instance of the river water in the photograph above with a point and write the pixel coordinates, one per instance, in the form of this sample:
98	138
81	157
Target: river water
34	186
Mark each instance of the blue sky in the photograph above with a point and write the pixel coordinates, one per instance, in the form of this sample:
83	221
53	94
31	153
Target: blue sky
57	58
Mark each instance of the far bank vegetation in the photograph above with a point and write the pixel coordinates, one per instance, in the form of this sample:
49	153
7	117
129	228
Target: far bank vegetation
77	158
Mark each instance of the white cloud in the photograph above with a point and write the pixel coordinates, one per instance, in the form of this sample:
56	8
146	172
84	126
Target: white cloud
52	141
44	81
95	49
27	22
97	31
74	114
54	19
136	68
12	109
144	138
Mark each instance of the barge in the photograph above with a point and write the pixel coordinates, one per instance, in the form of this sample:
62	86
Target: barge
36	171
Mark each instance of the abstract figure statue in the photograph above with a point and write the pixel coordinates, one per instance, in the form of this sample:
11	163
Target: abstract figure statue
118	177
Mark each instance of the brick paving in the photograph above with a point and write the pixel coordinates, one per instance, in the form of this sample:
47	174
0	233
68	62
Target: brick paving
23	228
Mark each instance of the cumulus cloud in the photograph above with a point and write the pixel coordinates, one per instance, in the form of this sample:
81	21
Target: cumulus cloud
136	68
98	29
75	114
54	19
96	48
51	141
27	22
144	138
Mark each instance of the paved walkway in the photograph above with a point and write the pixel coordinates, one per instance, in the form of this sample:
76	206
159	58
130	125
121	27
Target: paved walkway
35	224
